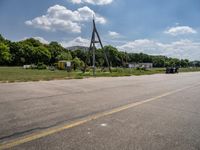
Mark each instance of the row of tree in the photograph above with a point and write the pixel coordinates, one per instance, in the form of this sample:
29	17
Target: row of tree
32	51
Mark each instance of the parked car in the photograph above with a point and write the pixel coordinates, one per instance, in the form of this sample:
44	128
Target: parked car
172	70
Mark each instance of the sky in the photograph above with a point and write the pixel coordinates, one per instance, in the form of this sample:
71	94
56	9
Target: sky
156	27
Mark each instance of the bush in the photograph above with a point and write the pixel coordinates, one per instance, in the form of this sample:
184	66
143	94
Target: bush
33	66
41	66
77	63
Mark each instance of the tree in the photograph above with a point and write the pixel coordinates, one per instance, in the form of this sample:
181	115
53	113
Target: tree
32	42
80	54
16	53
27	54
100	60
31	51
77	63
41	54
64	56
184	63
2	39
5	56
158	61
55	49
195	63
123	58
113	56
172	62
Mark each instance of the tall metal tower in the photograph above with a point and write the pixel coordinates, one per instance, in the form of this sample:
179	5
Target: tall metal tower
93	48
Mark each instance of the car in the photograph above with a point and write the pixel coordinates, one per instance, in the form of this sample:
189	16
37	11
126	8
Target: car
172	70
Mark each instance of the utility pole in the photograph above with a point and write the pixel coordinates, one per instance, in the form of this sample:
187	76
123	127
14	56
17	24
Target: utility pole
93	48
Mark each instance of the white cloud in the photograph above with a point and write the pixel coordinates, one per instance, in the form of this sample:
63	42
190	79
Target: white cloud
94	2
184	49
79	41
142	45
41	39
180	30
76	1
113	34
60	18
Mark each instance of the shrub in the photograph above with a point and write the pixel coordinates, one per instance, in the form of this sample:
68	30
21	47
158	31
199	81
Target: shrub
41	66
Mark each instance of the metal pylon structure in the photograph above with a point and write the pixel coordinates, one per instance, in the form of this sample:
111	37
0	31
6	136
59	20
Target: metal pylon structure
93	48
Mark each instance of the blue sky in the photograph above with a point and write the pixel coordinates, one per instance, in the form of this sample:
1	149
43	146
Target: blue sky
157	27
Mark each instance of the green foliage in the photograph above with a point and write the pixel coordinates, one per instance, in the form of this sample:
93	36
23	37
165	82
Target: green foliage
77	63
5	56
55	49
184	63
158	61
81	54
139	58
64	56
41	66
113	56
100	60
31	51
32	42
194	63
41	54
17	58
2	38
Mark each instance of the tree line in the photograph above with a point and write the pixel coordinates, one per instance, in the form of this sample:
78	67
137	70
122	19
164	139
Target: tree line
32	51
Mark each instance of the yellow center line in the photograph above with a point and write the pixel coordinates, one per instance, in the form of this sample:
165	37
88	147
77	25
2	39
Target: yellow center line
53	130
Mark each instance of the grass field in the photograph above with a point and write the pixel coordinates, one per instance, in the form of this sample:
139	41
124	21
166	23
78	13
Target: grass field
189	69
18	74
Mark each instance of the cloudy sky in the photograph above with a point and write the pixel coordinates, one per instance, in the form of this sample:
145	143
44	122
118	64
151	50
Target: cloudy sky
158	27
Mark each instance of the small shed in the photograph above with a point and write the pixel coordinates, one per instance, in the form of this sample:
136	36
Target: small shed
64	65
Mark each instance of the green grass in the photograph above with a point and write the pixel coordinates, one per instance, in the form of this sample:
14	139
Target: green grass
194	69
14	74
18	74
117	72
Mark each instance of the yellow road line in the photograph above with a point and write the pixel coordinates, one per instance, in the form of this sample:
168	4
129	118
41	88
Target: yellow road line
37	135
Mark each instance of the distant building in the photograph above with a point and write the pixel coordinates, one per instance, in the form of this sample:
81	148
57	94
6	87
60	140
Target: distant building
140	65
73	48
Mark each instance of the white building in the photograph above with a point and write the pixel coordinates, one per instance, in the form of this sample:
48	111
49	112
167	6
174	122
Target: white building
140	65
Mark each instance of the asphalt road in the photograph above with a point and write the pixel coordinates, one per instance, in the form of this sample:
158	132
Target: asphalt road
127	113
